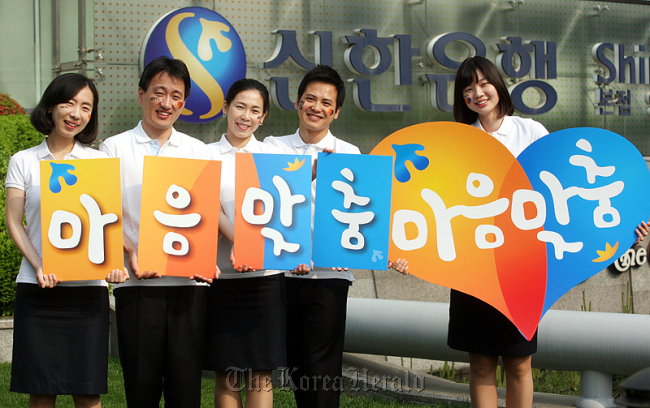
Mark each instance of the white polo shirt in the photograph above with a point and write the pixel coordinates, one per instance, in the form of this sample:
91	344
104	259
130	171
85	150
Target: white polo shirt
293	144
131	147
516	133
224	151
24	173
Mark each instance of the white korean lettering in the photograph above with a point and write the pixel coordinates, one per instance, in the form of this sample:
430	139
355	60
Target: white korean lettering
400	219
179	198
601	194
483	231
248	206
589	164
518	215
559	244
172	238
96	220
349	197
478	186
60	217
279	244
287	200
354	220
96	248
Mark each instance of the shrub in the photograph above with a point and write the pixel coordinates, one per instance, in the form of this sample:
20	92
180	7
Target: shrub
9	107
16	133
10	259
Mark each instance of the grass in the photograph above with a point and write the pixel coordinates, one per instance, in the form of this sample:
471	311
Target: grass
547	381
283	398
557	382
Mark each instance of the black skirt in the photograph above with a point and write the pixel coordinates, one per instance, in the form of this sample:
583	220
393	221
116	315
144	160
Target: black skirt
476	327
60	340
246	325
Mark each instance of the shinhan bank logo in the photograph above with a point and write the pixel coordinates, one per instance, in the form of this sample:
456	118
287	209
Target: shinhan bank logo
211	49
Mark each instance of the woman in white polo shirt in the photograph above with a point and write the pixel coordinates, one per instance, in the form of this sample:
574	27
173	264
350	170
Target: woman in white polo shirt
60	328
246	328
481	99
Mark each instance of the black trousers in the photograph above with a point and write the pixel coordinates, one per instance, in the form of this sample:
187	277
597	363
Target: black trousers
161	333
316	312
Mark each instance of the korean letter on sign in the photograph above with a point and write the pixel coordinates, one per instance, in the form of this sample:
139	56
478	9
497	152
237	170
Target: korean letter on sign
81	218
352	214
179	216
273	210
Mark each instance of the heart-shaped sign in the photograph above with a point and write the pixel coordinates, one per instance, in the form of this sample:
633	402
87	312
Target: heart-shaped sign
594	183
467	215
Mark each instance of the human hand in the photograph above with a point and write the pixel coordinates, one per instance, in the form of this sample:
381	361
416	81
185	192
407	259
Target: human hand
148	275
400	265
200	278
46	281
239	268
117	276
132	254
642	232
302	269
313	166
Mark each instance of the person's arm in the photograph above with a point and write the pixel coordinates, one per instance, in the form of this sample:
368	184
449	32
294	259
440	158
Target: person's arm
132	252
118	276
15	210
226	227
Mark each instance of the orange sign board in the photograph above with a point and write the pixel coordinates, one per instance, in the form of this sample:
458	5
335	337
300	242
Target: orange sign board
179	216
81	218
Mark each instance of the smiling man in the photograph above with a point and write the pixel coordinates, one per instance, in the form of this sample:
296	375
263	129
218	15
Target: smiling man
160	320
317	299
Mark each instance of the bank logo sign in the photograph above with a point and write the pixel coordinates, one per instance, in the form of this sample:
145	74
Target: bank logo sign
210	47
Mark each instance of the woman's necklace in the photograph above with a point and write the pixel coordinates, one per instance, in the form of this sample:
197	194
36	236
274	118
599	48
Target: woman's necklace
491	126
59	150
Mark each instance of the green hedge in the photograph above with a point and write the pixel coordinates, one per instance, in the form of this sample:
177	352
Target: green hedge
16	133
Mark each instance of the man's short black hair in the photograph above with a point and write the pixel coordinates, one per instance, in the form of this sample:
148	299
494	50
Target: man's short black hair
328	75
175	68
